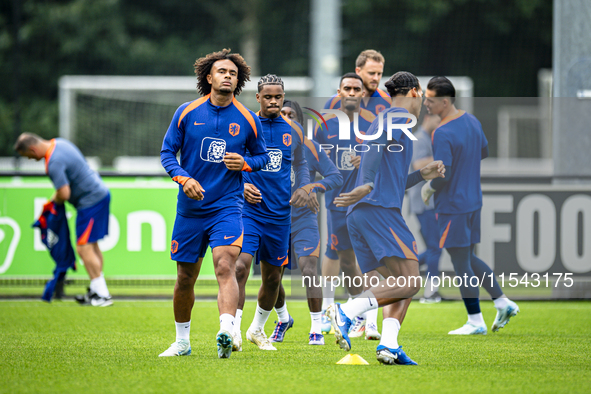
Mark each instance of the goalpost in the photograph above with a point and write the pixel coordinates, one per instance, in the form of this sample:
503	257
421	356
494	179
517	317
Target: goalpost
112	116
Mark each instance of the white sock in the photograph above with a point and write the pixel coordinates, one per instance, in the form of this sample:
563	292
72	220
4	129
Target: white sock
227	323
476	319
366	301
238	320
283	314
352	297
99	286
260	318
316	322
327	294
430	289
390	330
501	302
372	317
183	330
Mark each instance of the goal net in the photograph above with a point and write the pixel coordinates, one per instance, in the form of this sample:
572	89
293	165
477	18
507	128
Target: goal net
116	117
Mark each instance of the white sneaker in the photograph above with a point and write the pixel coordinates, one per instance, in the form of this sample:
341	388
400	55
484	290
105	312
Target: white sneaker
260	339
469	329
358	328
182	347
504	314
372	333
237	341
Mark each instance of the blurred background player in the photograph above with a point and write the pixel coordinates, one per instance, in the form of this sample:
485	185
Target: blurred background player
75	182
421	156
350	93
379	234
267	212
210	197
370	67
305	238
460	143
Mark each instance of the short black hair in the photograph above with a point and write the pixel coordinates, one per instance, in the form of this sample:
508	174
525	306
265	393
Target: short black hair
401	83
442	87
269	79
350	75
296	107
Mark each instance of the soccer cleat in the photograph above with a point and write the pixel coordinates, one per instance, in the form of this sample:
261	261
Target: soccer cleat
101	301
341	323
469	329
93	299
358	328
181	347
388	356
280	330
224	343
237	341
316	339
372	333
326	326
504	315
260	339
84	299
433	299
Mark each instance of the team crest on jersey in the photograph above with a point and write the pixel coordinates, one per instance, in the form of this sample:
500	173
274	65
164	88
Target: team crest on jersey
275	157
287	139
344	158
213	149
52	238
234	129
380	108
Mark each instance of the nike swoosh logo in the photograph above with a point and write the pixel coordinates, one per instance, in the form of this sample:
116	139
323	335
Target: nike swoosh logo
370	304
281	258
395	356
308	248
226	237
332	136
198	124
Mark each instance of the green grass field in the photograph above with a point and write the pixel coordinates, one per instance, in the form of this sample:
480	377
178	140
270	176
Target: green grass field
62	347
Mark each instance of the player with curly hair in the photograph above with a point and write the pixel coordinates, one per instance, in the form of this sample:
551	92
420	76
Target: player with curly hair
213	134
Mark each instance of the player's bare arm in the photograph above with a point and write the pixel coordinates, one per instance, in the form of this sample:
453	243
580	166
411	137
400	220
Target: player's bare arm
435	169
356	161
233	161
420	163
346	199
193	189
62	194
252	194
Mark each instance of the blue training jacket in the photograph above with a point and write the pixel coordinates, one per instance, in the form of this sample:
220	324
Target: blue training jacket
203	133
285	141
